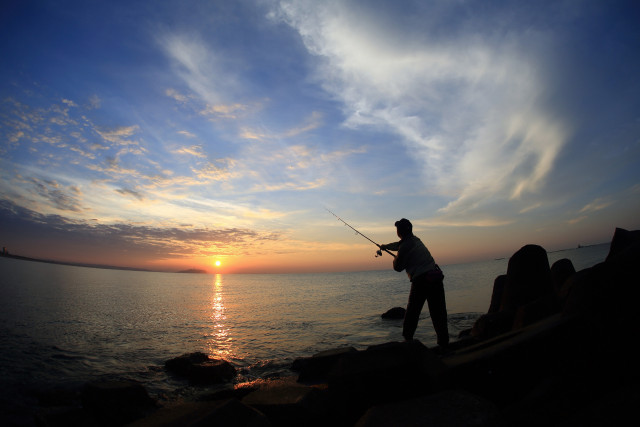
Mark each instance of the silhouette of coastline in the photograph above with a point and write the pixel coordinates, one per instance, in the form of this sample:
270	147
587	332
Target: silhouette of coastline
193	270
5	254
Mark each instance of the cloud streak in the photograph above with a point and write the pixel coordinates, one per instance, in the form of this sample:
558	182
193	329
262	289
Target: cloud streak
469	108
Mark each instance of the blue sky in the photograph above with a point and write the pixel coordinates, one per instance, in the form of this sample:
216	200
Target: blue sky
169	134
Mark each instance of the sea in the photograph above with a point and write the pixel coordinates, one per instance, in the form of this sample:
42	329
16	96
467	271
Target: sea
62	326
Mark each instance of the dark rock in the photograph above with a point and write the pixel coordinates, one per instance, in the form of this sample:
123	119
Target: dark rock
528	278
386	372
394	313
317	367
535	311
448	408
116	402
502	369
288	403
561	270
227	412
492	324
498	290
622	239
199	368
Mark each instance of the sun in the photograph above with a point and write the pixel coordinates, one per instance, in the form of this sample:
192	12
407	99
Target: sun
217	263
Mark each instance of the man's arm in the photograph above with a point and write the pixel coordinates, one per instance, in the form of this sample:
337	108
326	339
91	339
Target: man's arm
399	261
391	246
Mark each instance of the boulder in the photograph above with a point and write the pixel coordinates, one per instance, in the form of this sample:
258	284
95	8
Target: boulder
199	368
385	372
287	403
561	270
496	296
528	278
317	367
394	313
116	402
448	408
622	239
492	324
226	412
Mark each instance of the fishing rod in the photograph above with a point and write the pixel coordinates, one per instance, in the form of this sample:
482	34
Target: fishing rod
378	252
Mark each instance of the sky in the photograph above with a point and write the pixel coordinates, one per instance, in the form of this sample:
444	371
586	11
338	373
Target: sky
168	135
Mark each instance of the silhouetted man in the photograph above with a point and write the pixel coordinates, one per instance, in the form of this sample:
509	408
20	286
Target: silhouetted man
426	282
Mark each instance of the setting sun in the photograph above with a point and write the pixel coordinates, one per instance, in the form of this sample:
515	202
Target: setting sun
217	263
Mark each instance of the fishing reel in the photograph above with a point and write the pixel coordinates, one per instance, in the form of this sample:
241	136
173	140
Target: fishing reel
378	253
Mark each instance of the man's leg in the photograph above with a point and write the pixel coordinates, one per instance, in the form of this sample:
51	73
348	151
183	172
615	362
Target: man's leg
417	296
438	310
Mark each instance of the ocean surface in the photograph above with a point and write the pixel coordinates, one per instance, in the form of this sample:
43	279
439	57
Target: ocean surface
61	326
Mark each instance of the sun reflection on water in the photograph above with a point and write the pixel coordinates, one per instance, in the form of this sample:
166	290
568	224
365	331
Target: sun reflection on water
219	341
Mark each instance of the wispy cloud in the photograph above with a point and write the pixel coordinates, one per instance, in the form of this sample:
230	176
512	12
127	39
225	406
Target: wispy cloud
596	205
201	69
60	197
194	150
469	108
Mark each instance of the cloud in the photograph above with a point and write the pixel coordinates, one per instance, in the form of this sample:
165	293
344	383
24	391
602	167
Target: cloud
313	122
223	111
174	94
130	193
469	108
60	197
199	68
596	205
120	135
94	102
194	150
97	237
186	133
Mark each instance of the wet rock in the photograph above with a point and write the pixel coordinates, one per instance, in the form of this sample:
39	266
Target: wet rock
116	402
448	408
396	313
199	368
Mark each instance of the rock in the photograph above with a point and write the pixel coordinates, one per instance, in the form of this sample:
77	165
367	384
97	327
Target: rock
385	372
561	270
394	313
528	278
561	273
116	402
287	403
448	408
622	239
317	367
492	324
502	369
535	311
199	368
227	412
498	290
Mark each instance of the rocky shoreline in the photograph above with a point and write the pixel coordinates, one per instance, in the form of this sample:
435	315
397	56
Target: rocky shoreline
554	348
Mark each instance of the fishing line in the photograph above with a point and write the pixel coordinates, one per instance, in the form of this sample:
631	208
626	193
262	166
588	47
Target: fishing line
379	252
